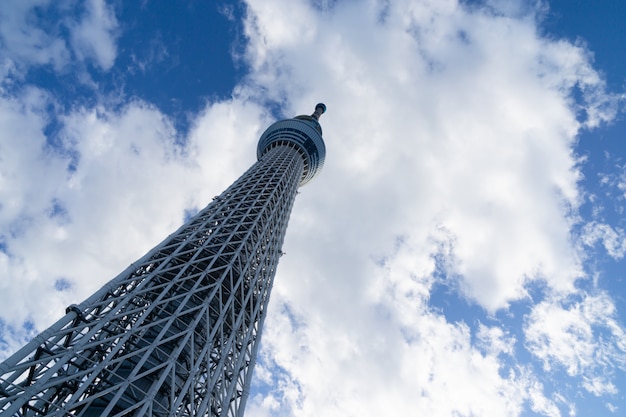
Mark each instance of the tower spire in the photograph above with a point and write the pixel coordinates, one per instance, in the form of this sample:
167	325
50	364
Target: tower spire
320	108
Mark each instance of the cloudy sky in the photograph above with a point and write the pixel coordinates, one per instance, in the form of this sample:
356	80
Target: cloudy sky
462	252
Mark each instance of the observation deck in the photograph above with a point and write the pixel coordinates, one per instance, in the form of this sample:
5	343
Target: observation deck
302	133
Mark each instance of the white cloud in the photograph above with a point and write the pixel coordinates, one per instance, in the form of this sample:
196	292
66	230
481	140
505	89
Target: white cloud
433	123
24	40
495	341
452	129
31	35
583	337
387	356
24	193
94	35
612	239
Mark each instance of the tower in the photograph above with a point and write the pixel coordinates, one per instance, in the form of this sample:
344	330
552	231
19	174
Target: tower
177	332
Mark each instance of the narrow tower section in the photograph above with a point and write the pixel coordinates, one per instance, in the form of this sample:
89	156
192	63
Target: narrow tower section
176	333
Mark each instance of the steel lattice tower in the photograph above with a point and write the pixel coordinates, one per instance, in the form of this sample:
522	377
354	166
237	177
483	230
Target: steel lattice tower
176	333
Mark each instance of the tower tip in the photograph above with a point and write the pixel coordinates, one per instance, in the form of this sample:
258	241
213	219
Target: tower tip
320	108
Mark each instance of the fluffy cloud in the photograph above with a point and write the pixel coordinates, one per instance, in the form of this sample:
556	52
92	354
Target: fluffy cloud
94	35
389	355
612	240
582	336
31	35
27	39
442	133
451	130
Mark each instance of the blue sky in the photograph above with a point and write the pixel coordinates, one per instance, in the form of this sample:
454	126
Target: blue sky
462	252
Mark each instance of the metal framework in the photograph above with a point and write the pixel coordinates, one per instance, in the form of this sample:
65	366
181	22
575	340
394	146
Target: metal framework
176	333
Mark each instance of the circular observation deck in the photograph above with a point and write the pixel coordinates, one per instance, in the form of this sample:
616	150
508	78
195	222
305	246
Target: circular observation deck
302	133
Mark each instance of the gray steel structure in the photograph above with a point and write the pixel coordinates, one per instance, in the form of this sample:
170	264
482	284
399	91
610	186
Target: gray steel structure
176	333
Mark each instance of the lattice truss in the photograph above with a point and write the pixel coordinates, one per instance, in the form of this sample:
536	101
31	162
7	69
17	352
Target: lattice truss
176	333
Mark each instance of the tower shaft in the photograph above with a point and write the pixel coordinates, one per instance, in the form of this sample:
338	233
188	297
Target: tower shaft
176	333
